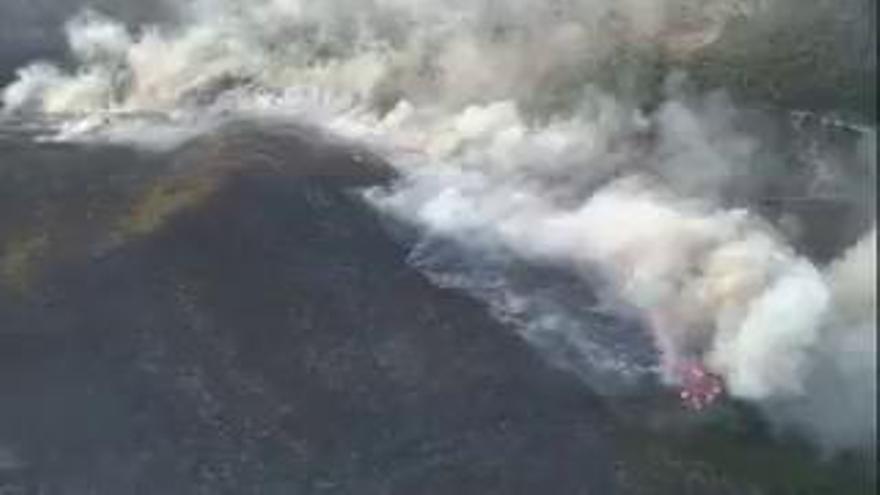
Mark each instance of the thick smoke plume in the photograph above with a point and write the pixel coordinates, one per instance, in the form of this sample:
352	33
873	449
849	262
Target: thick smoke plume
510	136
454	52
715	284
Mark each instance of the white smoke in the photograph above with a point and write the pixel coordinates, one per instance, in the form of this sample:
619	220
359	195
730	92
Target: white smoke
443	51
490	111
840	400
714	284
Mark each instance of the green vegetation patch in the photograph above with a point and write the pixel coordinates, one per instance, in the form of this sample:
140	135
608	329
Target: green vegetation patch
18	260
162	201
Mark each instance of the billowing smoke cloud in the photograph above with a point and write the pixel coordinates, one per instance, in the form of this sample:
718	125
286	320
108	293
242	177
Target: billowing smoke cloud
454	52
839	403
32	29
519	127
716	284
